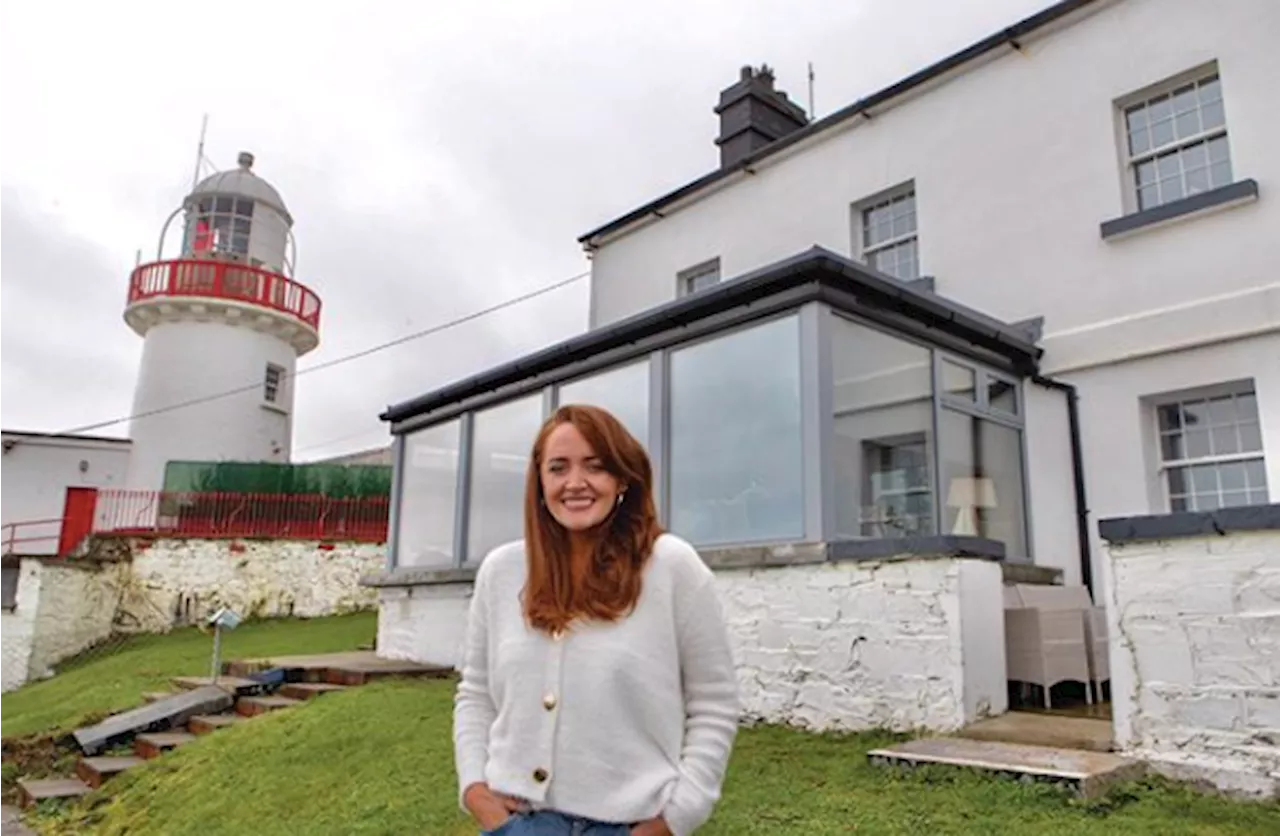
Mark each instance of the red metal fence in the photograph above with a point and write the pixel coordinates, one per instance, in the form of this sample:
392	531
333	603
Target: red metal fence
31	536
249	515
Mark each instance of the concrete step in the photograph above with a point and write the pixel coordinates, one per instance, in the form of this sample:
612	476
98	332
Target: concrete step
33	791
96	771
11	822
309	690
168	713
209	723
1088	774
154	745
1052	730
233	685
253	706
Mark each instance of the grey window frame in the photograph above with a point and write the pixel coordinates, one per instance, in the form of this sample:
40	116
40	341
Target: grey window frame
1144	97
687	277
862	251
273	392
1232	388
817	414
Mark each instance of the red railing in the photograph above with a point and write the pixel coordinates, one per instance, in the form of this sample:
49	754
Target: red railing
248	515
18	537
216	279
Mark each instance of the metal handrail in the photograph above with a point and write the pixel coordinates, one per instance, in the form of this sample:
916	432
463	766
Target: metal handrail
219	279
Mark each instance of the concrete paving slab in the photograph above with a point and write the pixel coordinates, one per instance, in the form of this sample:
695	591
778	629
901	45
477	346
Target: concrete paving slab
170	712
1088	773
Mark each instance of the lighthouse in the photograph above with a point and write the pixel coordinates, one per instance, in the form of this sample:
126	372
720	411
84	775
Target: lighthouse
223	324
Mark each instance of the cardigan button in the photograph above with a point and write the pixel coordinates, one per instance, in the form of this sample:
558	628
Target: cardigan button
549	702
540	775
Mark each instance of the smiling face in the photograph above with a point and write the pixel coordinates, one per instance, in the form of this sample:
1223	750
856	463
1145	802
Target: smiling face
580	494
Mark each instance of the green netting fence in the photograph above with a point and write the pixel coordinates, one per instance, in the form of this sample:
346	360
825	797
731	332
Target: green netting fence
332	480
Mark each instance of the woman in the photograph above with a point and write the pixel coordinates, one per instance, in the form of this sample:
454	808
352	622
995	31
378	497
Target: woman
598	694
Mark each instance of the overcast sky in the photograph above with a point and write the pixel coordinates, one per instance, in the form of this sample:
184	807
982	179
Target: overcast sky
438	158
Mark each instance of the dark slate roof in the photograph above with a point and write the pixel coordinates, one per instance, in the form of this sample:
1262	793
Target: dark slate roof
1009	35
816	274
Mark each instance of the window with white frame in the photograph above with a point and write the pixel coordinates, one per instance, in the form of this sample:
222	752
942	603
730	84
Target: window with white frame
1211	450
1176	141
273	384
887	231
699	277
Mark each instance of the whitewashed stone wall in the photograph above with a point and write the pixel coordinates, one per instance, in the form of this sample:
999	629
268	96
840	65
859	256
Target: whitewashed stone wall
17	626
424	623
1196	663
900	644
61	609
903	644
189	579
120	586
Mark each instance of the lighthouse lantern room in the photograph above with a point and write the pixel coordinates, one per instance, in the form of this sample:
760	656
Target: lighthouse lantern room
223	324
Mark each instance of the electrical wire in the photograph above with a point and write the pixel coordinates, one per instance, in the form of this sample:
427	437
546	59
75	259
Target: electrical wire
328	364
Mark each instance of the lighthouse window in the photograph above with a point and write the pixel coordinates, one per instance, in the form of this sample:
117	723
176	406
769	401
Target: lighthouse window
222	225
271	385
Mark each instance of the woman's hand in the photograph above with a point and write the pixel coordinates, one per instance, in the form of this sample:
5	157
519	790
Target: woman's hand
652	827
490	809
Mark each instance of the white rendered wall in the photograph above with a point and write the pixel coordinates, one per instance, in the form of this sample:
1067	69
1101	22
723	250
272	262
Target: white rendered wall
1117	418
184	361
902	644
425	624
36	473
1195	667
1015	163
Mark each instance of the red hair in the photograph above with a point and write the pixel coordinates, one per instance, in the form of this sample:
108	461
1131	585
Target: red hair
560	589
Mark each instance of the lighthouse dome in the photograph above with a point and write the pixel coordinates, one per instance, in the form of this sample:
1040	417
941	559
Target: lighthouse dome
241	182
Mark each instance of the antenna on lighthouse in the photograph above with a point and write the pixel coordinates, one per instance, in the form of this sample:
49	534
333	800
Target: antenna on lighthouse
812	113
195	177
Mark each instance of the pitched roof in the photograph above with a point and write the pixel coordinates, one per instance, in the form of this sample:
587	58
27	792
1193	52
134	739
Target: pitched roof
1008	35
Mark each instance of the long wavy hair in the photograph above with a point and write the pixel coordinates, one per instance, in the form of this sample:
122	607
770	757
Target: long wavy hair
560	589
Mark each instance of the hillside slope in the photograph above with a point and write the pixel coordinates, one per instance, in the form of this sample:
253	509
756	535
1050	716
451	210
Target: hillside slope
379	760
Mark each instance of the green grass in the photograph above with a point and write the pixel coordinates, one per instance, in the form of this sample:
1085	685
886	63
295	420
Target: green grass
114	677
379	760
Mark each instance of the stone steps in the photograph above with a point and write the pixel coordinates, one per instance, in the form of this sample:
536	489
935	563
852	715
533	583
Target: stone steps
253	706
209	723
201	707
154	745
1088	774
309	690
32	791
96	771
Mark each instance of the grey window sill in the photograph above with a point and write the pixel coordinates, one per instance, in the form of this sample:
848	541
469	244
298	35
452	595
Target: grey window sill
1191	524
1235	194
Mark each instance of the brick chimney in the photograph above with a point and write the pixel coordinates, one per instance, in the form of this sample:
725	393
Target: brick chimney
753	114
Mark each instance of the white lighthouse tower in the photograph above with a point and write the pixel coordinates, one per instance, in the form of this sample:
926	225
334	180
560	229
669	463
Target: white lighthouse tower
225	314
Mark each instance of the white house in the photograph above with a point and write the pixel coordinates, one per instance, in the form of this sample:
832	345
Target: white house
38	468
966	317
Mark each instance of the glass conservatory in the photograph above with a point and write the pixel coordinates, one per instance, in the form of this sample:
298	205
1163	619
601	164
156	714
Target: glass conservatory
813	401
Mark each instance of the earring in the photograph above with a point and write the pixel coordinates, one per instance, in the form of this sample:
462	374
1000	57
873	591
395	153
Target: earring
621	497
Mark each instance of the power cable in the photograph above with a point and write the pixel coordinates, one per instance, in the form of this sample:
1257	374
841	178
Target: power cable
328	364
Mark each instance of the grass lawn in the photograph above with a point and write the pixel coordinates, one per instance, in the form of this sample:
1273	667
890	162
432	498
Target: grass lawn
114	677
379	760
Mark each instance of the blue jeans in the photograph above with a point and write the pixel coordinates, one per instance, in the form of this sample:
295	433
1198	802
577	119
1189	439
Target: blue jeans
549	823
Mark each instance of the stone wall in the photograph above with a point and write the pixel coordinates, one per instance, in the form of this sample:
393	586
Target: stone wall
141	586
900	642
182	581
1195	606
61	609
896	644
